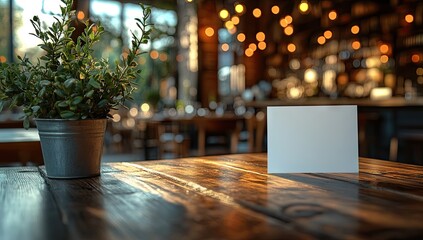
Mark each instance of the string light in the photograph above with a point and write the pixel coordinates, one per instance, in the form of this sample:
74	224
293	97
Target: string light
415	58
409	18
327	34
291	47
283	22
303	6
225	47
229	25
289	30
288	19
384	59
80	15
275	9
224	14
260	36
256	13
249	52
240	37
252	46
321	40
154	54
384	48
209	32
356	45
239	8
355	29
235	20
332	15
262	45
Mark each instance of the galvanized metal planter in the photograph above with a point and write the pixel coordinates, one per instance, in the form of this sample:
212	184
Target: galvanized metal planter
72	148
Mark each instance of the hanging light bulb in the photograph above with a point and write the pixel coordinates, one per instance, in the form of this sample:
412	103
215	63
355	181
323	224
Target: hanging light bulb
224	14
257	12
239	8
304	7
332	15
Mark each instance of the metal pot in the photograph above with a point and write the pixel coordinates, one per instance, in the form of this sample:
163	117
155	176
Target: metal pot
71	148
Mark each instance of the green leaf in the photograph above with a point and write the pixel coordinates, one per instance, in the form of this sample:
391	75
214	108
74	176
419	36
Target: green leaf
59	93
77	100
94	83
69	82
45	83
63	104
26	122
89	94
67	114
102	103
35	108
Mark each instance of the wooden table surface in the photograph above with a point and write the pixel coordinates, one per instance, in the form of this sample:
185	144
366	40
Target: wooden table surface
213	197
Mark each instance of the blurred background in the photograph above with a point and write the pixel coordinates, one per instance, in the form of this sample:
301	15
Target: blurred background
212	68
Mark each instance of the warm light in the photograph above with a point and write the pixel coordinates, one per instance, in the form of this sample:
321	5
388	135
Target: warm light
252	46
232	31
415	58
283	22
229	25
327	34
288	19
384	48
409	18
260	36
225	47
163	57
249	52
321	40
355	29
235	20
224	14
240	37
380	93
80	15
116	117
294	64
310	75
419	71
188	1
3	59
275	9
154	54
257	12
289	30
133	112
145	107
262	45
356	45
209	32
291	47
384	59
332	15
239	8
303	6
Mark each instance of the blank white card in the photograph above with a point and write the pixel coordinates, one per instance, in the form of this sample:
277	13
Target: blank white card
312	139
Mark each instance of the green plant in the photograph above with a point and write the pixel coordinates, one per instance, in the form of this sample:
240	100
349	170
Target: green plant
68	82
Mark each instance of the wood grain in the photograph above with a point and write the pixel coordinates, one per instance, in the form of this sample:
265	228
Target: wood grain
213	197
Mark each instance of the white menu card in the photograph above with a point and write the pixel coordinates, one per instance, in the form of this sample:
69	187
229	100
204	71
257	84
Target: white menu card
312	139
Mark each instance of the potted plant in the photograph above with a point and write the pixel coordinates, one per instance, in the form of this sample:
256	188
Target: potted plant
69	92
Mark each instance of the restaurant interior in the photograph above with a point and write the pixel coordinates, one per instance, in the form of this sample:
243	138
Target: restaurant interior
213	67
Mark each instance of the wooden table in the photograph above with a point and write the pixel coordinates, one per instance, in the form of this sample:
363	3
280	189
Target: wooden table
213	197
18	145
